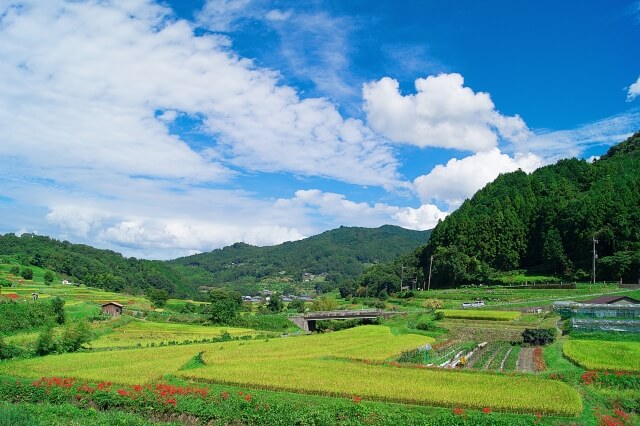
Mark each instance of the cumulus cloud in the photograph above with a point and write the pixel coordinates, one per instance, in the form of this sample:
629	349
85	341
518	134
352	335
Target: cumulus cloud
341	211
84	82
458	180
94	101
442	113
633	91
149	221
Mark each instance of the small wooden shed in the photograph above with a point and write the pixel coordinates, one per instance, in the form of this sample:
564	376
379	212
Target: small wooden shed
112	308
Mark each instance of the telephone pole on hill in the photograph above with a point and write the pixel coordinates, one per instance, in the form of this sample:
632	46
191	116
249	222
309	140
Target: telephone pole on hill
430	264
595	256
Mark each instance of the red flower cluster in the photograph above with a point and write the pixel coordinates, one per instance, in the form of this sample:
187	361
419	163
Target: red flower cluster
356	399
54	382
105	386
248	397
165	390
458	411
538	360
589	377
486	410
225	395
618	418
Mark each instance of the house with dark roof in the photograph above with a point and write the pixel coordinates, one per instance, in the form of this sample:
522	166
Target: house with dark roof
612	300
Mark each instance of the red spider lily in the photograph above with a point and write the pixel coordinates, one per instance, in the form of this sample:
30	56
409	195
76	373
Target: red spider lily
137	388
225	395
458	411
486	410
248	397
122	392
171	401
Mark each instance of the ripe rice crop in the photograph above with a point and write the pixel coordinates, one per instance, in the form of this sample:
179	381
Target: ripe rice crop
604	355
345	363
519	393
480	314
146	332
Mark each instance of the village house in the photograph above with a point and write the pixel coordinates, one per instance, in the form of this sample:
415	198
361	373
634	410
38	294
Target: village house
112	308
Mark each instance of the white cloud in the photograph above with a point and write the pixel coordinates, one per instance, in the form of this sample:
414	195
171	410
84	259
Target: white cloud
90	97
340	211
443	113
554	145
458	180
221	15
83	83
278	15
633	91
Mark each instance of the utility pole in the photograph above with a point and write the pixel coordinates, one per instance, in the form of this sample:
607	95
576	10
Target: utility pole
430	265
401	275
595	256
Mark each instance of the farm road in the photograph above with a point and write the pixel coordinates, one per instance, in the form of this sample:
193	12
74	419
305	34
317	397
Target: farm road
525	362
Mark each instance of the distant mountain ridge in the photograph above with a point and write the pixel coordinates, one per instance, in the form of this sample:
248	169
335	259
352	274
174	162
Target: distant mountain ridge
338	254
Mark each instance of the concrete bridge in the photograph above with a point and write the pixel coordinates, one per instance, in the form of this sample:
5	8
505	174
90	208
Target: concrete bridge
307	321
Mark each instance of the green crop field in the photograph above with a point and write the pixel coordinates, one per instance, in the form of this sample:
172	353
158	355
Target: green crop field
143	333
327	364
604	355
478	314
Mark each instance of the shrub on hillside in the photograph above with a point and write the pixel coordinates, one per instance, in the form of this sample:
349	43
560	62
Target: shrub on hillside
538	336
27	273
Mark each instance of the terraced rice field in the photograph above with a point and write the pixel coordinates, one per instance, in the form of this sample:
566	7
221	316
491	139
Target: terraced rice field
344	363
603	355
144	333
480	314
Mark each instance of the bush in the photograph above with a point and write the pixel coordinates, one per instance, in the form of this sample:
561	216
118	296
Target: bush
439	315
27	273
15	270
8	351
297	305
45	343
74	336
433	304
425	325
48	277
538	336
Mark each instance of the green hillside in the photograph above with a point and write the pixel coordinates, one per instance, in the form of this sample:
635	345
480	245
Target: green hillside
104	269
329	257
545	222
335	255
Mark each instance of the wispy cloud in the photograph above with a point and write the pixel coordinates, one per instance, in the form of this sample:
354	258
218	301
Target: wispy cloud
554	145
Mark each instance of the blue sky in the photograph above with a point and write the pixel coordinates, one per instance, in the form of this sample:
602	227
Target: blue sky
159	129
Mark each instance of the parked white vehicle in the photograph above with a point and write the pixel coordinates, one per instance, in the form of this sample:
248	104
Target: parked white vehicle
476	304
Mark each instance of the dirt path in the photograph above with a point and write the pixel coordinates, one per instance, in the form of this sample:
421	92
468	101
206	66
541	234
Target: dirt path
525	362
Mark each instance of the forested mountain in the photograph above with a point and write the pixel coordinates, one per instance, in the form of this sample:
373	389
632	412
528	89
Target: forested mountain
545	223
340	254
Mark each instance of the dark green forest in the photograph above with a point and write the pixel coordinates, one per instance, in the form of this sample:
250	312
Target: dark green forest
545	223
338	255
